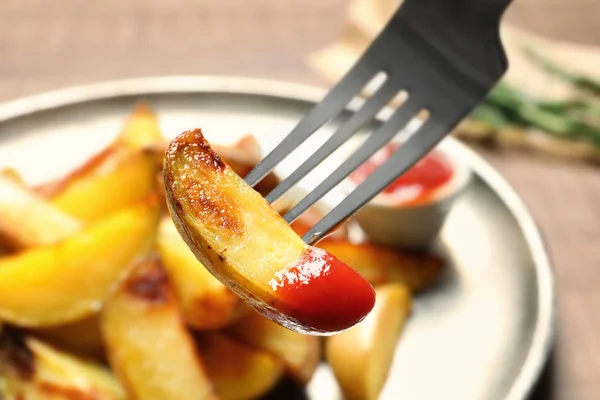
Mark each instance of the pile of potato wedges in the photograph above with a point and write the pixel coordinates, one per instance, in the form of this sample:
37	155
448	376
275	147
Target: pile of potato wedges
101	299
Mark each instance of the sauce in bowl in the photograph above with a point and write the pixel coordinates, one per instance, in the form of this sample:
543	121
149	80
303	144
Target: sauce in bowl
415	186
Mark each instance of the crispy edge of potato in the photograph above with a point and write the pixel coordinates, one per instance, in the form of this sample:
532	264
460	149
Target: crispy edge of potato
242	156
28	220
205	302
33	370
238	371
123	178
301	354
361	356
380	265
148	344
60	283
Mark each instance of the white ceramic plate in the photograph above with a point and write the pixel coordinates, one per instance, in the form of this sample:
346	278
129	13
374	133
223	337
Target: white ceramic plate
483	332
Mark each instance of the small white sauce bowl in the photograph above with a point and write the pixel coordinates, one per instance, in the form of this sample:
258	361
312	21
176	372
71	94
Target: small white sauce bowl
389	221
384	219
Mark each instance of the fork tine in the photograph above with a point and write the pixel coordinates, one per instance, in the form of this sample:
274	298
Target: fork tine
366	112
374	142
402	159
332	104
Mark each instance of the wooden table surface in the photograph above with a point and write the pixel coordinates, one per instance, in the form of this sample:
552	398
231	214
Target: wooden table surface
48	45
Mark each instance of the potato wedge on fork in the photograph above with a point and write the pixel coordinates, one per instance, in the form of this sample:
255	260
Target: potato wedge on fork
249	247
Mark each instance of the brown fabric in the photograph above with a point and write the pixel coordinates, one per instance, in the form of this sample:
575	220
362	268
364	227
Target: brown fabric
569	20
52	44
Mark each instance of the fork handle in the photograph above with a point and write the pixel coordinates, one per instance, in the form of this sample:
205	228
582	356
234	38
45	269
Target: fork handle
459	29
468	16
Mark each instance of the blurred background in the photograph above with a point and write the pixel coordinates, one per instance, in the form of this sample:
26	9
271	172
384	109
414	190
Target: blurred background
49	45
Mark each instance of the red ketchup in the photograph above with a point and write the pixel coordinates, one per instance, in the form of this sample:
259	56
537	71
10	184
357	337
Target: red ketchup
417	184
322	294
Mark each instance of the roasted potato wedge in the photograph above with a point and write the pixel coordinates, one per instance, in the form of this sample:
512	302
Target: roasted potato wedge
148	344
140	133
206	303
380	265
36	371
28	220
81	337
141	129
88	168
122	179
246	244
239	371
300	353
361	357
67	281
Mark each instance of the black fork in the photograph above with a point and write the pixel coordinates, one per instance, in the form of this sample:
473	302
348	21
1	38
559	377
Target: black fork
444	54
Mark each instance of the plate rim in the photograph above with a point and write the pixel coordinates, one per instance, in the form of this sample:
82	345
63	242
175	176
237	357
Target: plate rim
544	331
